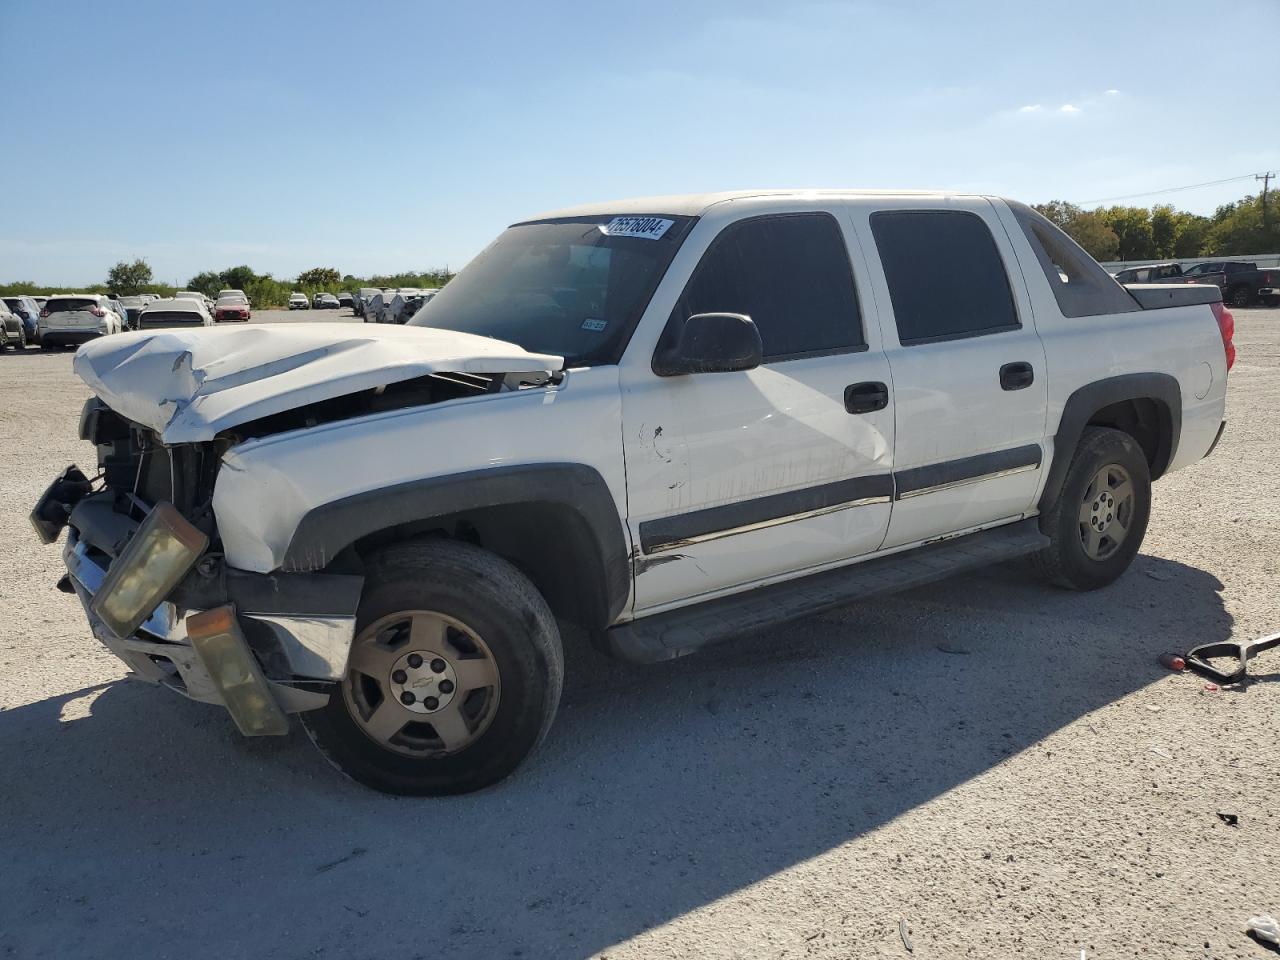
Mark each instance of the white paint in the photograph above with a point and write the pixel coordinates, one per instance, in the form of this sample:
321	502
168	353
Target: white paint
190	384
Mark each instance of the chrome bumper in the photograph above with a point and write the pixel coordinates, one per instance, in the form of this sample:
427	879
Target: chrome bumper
315	648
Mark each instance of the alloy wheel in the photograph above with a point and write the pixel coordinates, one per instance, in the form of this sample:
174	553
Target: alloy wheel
422	684
1106	511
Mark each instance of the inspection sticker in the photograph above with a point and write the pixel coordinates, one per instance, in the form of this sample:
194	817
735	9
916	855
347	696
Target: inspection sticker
593	324
647	228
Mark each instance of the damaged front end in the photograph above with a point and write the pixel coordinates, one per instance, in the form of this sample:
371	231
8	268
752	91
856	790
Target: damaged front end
144	552
144	558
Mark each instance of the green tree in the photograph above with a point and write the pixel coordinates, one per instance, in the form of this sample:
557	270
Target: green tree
322	278
237	278
1082	226
1191	236
208	283
1239	228
125	279
1164	229
1132	227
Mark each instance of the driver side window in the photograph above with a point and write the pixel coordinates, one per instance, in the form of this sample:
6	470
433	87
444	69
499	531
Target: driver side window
790	274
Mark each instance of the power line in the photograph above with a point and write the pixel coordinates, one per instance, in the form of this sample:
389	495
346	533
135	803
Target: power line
1152	193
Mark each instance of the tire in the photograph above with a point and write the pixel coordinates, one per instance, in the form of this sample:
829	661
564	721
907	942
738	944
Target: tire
1241	297
1090	500
481	618
22	338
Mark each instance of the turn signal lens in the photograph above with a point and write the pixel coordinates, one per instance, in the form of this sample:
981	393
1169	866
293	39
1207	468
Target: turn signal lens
165	547
222	648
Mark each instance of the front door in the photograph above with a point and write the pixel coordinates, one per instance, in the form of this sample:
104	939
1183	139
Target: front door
737	478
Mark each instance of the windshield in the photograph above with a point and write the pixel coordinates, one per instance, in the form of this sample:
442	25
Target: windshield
574	287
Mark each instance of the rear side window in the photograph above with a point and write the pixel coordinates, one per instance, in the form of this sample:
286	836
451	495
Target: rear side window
945	275
1079	284
790	274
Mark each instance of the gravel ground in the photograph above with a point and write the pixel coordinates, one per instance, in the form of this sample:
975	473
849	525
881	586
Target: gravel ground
1001	767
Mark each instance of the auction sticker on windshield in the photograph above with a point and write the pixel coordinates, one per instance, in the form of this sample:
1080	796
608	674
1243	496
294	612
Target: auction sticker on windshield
647	228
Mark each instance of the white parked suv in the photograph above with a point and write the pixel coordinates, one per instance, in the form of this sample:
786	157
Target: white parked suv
667	421
299	301
69	320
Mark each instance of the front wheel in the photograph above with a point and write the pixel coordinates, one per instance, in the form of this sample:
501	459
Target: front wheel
1100	517
454	674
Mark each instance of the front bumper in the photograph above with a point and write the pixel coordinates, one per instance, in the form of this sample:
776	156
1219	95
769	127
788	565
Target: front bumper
298	627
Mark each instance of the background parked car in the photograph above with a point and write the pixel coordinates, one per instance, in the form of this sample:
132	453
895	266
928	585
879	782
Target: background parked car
132	307
413	304
179	312
362	298
40	300
325	301
1240	281
298	301
373	309
1153	273
233	306
345	299
73	319
12	333
28	310
233	293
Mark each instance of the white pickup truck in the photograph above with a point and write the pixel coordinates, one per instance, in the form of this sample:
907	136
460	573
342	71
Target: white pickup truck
669	421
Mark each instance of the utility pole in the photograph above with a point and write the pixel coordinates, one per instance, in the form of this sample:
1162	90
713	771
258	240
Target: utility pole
1266	180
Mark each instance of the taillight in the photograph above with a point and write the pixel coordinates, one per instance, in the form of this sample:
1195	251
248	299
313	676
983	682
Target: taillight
1227	327
98	311
44	313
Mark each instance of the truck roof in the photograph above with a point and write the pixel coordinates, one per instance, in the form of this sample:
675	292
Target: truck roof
695	204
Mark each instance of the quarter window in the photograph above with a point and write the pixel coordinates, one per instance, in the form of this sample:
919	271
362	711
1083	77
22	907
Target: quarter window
945	275
790	274
1079	284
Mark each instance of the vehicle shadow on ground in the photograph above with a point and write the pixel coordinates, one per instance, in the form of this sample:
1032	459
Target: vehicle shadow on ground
148	827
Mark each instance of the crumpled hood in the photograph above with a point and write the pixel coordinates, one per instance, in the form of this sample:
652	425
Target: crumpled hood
189	384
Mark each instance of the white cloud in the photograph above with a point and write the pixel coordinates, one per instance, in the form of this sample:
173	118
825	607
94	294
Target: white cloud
1031	108
1113	92
1068	108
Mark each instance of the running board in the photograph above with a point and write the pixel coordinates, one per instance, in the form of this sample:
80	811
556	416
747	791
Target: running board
665	636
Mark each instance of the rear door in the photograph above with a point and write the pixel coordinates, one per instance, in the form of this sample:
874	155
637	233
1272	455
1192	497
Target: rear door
968	368
745	477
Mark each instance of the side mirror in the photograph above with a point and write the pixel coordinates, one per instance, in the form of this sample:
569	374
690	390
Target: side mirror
712	343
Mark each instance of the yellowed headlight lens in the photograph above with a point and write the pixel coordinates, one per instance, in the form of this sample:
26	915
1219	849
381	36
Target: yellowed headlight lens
165	547
222	648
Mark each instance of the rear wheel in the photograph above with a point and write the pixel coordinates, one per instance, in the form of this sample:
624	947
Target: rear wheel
1100	518
454	675
1241	296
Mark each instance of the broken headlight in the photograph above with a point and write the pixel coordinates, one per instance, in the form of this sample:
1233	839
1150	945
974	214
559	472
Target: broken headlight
165	547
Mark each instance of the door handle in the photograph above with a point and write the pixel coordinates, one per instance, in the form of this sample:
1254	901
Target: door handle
1016	376
866	397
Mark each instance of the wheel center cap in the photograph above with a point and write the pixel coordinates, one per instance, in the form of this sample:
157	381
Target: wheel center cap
1103	511
423	681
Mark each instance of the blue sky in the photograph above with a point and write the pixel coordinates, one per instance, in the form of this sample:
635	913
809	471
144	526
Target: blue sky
376	137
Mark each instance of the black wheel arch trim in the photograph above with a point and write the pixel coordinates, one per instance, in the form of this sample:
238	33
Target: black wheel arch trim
327	530
1086	401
